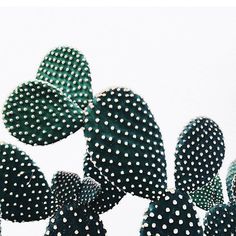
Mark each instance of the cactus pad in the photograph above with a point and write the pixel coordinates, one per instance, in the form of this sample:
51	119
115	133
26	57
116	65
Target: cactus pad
109	196
75	220
172	214
229	180
68	70
38	114
24	192
199	154
125	143
221	220
209	195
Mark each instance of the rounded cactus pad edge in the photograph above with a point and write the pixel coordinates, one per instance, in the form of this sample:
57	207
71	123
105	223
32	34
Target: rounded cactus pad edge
229	181
125	142
199	154
37	113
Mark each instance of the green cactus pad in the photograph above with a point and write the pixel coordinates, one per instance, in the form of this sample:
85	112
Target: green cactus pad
173	214
125	143
229	180
68	70
221	220
24	192
38	114
75	220
209	195
109	196
199	154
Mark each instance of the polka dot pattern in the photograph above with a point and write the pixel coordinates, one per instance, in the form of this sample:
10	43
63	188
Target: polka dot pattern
234	189
110	195
67	69
125	142
72	220
24	192
173	214
229	180
199	154
38	114
209	195
221	220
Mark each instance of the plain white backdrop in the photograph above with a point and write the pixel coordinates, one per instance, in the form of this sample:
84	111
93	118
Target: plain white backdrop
181	60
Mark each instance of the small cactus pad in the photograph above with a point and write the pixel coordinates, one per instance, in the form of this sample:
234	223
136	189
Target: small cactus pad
221	220
199	154
125	143
24	192
68	70
209	195
38	114
229	180
66	187
172	214
110	195
234	189
75	220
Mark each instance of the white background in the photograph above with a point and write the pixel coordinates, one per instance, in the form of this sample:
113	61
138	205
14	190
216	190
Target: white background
181	60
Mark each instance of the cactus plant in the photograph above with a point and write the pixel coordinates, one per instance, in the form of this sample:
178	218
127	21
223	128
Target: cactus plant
173	214
229	180
125	143
74	215
209	195
24	192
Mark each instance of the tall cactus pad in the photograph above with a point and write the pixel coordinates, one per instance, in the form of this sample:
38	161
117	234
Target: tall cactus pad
209	195
38	114
125	143
109	196
199	154
68	70
24	192
221	220
75	220
229	180
172	214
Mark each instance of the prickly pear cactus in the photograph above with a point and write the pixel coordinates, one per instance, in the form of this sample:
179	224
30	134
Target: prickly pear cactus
67	69
24	192
209	195
74	215
221	220
172	214
125	143
38	114
110	195
229	180
199	154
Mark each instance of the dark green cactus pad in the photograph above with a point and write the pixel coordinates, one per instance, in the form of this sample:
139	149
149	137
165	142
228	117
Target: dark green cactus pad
229	180
38	114
75	220
221	220
66	187
68	70
125	143
199	154
109	196
24	192
209	195
172	214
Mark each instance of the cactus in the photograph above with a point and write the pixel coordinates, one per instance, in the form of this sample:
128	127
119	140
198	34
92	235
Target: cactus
67	69
38	114
125	143
221	220
74	216
199	154
110	195
172	214
24	192
209	195
229	180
